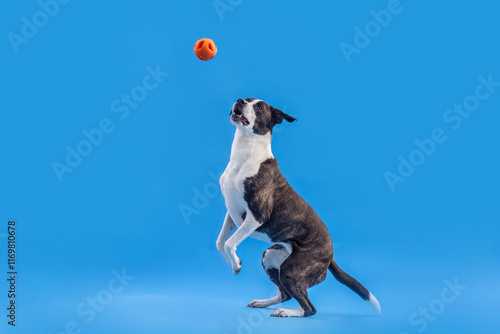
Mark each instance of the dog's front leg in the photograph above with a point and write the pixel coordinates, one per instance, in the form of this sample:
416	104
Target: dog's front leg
248	227
225	232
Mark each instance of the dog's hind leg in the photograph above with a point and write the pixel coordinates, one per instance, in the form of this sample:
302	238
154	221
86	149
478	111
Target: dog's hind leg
272	259
300	271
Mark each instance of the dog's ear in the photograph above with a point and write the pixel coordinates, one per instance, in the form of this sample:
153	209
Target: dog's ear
279	116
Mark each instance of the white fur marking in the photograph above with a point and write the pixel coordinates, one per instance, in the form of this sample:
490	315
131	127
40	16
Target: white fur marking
374	303
283	312
274	257
248	152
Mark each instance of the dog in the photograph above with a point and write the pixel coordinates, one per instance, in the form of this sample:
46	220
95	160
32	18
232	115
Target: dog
261	204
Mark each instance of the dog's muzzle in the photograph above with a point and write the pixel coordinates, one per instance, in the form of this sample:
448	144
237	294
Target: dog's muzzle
237	114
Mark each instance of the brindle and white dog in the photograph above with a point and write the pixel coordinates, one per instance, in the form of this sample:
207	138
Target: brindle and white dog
262	205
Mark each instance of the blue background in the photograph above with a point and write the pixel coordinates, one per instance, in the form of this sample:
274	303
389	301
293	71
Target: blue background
121	206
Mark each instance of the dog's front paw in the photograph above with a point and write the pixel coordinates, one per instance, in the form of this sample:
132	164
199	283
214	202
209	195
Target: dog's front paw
237	270
236	265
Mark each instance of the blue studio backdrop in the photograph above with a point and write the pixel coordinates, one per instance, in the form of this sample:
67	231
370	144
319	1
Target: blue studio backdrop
113	135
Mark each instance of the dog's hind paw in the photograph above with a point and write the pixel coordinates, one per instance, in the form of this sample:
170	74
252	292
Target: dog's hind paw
258	304
282	312
262	303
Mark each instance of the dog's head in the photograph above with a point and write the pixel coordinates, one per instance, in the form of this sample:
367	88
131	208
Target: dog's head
256	116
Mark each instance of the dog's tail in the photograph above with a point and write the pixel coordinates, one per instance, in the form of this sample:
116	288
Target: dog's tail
354	285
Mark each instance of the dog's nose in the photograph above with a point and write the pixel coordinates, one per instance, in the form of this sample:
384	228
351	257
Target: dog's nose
240	101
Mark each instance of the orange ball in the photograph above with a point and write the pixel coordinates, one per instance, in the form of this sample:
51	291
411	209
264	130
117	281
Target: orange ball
205	49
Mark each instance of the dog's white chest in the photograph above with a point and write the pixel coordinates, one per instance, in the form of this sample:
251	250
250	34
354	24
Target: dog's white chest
247	155
233	188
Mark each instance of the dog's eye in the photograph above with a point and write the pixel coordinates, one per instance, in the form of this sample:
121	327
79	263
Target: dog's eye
259	107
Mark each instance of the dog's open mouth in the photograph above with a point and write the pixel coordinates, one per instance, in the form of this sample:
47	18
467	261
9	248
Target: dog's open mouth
237	116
